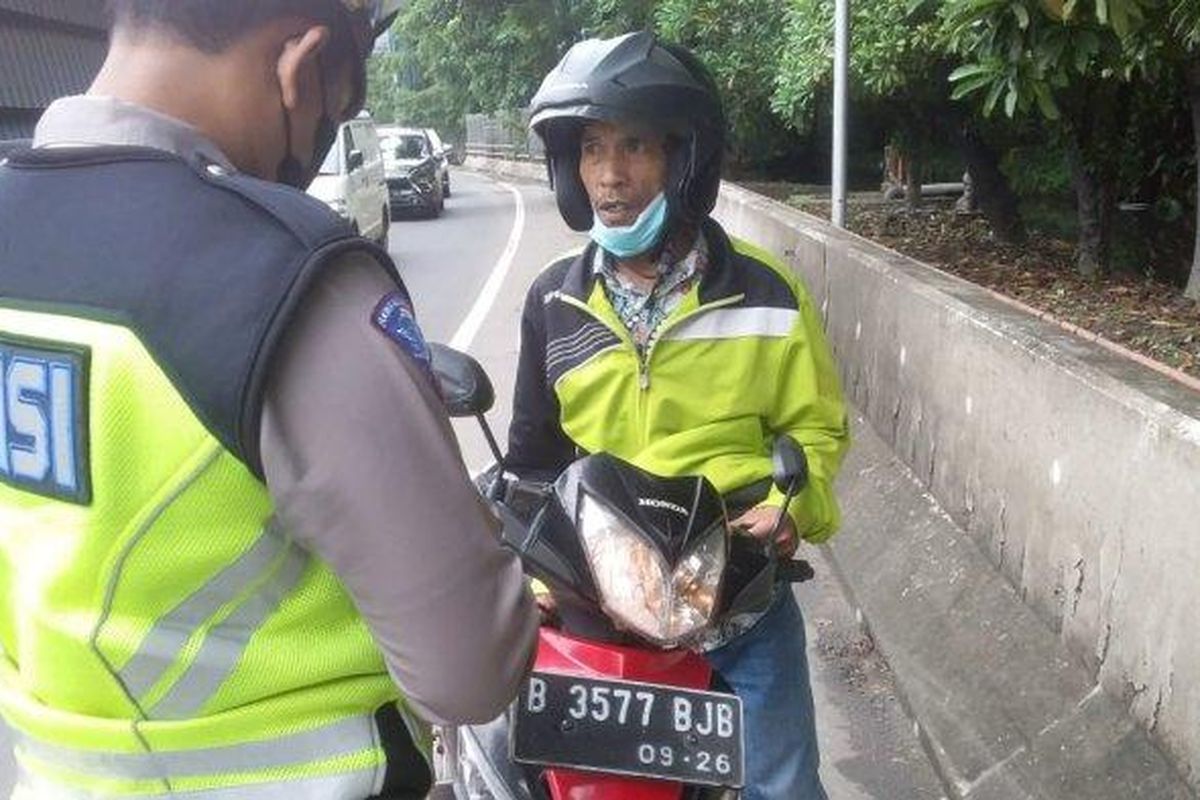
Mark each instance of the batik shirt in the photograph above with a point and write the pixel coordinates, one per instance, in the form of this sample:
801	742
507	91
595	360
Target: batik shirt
643	310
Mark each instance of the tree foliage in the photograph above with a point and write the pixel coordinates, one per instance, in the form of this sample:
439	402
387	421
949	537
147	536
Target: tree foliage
1084	78
1081	65
1022	54
896	51
739	41
472	56
1185	19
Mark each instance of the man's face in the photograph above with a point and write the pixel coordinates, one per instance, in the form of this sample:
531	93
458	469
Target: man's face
623	167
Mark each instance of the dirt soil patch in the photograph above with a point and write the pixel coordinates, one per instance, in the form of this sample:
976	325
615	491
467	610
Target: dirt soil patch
1144	315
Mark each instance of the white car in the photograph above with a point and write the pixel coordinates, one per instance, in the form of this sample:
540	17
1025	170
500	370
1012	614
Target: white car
351	181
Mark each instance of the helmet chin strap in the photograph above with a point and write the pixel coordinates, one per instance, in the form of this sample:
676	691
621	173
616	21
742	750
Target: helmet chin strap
686	177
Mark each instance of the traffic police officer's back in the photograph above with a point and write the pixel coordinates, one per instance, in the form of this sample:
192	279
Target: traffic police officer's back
233	518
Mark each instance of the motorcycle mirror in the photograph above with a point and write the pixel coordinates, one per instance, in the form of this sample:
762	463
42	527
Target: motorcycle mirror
789	465
466	388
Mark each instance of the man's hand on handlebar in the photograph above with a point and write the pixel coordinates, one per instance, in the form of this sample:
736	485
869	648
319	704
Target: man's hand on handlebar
760	521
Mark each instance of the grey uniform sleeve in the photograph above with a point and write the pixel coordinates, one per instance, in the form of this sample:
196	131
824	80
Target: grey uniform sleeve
365	472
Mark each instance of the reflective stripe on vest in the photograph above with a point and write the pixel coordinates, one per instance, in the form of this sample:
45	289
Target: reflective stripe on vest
347	738
168	636
346	786
275	565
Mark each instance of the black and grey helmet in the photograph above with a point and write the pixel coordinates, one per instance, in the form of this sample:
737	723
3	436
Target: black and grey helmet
633	78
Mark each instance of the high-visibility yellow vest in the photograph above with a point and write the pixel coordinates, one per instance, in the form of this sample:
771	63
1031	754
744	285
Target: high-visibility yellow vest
160	633
167	636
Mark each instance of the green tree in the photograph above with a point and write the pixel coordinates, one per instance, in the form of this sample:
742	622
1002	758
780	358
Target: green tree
895	62
1068	62
455	57
477	55
1184	25
899	65
1080	59
739	41
614	17
1163	45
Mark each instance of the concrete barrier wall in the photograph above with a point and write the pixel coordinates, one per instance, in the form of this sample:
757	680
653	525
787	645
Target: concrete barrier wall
1076	469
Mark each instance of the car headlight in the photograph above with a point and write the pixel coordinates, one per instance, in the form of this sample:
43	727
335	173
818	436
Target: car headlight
422	178
637	587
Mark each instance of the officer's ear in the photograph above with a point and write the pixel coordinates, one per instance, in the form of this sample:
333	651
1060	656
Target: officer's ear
298	68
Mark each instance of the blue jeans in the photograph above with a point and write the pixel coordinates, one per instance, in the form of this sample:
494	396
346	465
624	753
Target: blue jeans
767	667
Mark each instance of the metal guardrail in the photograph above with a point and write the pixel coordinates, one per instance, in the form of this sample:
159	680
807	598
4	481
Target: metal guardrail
504	134
501	151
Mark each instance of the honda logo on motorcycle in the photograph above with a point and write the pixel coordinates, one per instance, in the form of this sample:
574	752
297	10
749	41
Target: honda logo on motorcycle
654	502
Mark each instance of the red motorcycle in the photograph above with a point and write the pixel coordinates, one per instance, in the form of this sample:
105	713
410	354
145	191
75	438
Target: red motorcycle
645	571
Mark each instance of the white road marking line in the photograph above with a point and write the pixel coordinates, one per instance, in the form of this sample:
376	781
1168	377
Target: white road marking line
487	296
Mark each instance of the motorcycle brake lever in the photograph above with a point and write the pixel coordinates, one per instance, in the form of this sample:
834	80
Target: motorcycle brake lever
787	570
795	571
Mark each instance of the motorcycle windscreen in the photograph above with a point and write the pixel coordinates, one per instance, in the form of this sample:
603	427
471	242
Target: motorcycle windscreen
673	513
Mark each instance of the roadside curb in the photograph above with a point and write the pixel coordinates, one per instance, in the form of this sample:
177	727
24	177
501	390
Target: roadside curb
1002	708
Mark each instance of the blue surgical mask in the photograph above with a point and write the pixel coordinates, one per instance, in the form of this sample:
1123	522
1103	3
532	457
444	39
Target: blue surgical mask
640	237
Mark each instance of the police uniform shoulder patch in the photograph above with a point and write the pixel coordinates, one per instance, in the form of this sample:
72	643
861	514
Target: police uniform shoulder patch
394	317
43	418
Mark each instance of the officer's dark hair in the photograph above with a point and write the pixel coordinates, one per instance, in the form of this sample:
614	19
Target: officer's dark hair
213	25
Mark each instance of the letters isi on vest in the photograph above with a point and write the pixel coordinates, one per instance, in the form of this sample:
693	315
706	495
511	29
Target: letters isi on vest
43	421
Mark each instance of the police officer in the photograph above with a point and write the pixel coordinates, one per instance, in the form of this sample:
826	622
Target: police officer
239	554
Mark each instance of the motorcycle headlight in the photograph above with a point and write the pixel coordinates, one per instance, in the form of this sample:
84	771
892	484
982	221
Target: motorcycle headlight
637	587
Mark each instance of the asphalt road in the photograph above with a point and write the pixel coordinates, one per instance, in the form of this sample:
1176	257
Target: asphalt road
467	272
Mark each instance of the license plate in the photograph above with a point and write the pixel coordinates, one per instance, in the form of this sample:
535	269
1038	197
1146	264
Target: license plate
627	728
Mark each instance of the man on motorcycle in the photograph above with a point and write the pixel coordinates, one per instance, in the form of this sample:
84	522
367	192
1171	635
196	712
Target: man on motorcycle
240	556
680	350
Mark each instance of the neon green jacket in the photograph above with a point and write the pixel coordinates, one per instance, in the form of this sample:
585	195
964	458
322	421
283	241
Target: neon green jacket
741	361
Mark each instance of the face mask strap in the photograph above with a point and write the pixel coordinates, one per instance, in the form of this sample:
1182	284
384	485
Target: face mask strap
321	84
291	171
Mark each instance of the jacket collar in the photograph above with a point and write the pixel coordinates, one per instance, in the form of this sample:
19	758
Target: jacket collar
91	121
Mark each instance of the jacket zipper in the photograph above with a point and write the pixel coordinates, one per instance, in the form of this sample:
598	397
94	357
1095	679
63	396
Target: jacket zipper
644	363
644	378
643	400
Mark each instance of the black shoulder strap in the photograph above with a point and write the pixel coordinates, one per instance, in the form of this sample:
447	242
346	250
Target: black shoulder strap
205	267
